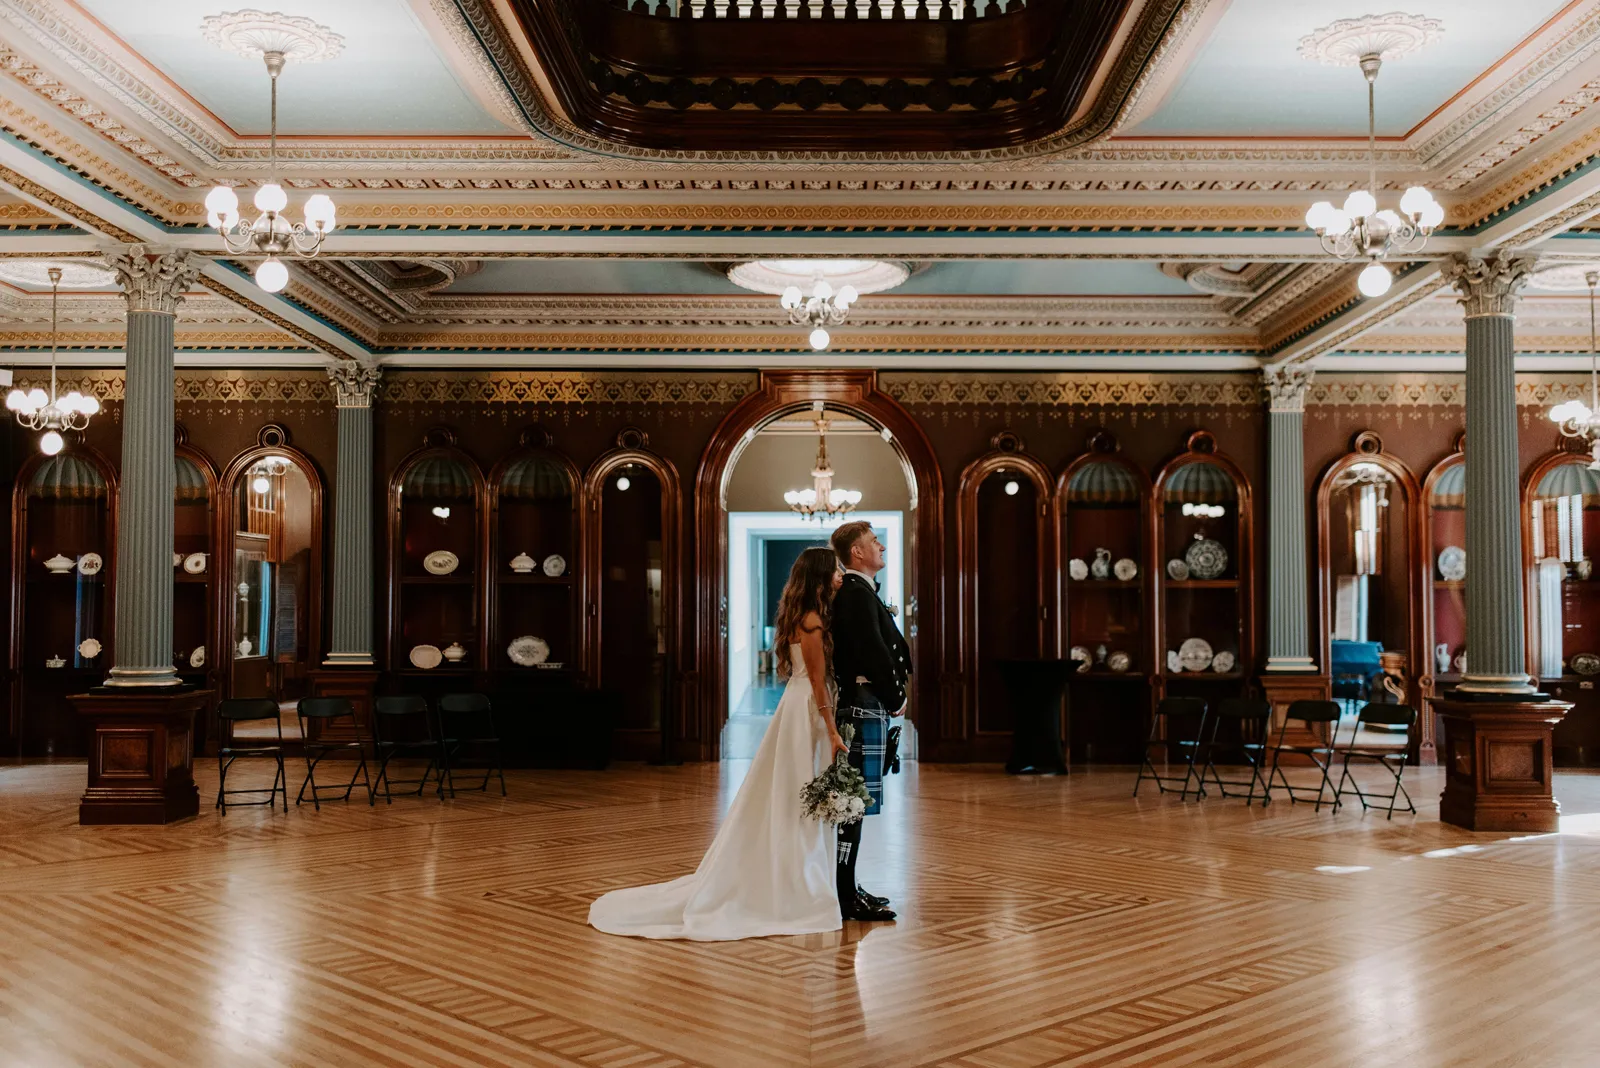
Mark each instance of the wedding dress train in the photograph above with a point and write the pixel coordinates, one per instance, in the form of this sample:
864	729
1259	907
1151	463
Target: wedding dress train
769	871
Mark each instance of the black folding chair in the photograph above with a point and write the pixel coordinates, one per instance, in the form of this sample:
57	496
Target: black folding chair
1391	758
1313	714
403	726
1254	720
318	745
466	724
248	710
1168	710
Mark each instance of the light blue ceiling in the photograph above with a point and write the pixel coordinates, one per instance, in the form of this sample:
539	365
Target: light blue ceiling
1248	79
968	278
390	79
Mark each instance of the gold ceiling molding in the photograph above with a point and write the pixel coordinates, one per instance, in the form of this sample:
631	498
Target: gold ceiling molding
1089	389
789	341
184	340
80	157
566	387
30	188
1418	390
1337	339
199	386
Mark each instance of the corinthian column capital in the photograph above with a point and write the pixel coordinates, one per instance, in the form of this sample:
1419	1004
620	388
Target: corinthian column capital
153	281
1286	386
354	384
1488	285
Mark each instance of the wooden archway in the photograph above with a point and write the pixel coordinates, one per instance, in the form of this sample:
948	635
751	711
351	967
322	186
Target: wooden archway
1367	448
633	452
780	393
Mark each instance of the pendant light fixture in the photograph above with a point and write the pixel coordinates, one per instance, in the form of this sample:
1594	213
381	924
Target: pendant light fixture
50	413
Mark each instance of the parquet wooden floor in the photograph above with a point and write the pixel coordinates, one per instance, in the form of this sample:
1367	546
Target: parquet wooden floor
1043	922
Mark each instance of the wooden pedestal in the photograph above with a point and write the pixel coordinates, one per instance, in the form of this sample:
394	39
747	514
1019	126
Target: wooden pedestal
1498	769
141	745
1284	689
357	685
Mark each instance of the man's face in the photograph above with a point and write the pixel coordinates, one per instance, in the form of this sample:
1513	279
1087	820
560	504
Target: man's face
868	553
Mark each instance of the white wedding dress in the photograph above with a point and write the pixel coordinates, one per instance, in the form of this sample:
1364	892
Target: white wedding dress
769	871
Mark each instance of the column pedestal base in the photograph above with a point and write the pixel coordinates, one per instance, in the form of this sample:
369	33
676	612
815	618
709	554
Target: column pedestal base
140	755
1283	689
1497	760
358	685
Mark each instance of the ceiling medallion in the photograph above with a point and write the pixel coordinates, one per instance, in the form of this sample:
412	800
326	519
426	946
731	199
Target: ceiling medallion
1345	42
834	285
1360	230
75	274
277	38
250	32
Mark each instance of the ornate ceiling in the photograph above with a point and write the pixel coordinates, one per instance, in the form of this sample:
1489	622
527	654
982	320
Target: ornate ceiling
484	219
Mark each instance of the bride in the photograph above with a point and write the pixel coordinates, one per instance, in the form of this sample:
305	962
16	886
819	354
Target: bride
769	871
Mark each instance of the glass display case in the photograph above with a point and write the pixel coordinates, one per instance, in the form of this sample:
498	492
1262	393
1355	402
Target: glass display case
1445	562
435	525
533	560
194	566
1202	569
1560	542
1102	506
64	543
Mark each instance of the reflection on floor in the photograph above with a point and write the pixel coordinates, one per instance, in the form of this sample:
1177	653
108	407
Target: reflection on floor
262	730
747	724
1043	921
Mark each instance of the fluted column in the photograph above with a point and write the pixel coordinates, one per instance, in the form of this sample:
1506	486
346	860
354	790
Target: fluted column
154	285
1496	658
1288	615
352	644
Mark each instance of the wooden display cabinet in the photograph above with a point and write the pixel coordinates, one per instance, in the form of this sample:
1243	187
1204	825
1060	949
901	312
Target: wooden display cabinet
1560	543
1444	496
1218	609
62	506
194	615
436	504
1005	553
535	514
1103	502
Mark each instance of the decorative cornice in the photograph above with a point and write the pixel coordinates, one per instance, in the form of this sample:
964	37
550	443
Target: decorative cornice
153	281
199	386
354	384
1435	390
1488	286
1286	386
567	388
1076	390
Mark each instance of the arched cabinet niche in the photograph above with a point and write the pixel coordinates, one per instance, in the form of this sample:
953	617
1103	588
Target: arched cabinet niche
1004	545
63	550
631	569
269	570
194	611
1444	605
1369	543
1204	553
1560	542
535	541
436	536
1102	506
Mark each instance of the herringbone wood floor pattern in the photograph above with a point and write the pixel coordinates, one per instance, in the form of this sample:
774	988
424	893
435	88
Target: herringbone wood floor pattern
1043	922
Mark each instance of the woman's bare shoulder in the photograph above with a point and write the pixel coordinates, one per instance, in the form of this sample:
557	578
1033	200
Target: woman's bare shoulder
810	623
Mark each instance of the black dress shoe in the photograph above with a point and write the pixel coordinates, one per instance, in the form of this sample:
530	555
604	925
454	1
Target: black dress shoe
872	899
862	909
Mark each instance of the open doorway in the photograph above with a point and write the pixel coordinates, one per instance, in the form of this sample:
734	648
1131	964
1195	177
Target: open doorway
765	535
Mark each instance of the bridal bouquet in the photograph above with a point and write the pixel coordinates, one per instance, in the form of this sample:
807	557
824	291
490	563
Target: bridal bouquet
839	795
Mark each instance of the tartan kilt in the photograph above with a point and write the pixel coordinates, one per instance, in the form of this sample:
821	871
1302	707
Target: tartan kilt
871	723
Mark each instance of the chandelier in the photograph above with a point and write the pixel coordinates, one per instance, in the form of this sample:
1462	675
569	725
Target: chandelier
1574	418
277	39
822	501
822	309
52	414
834	285
1359	230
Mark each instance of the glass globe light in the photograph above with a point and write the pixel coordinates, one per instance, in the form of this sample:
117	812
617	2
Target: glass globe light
272	276
260	484
1360	204
1431	216
51	443
16	399
1389	218
819	339
320	213
89	404
71	402
1318	215
222	207
271	197
822	290
1012	488
1374	280
1574	410
623	483
1338	223
847	296
791	297
1415	200
37	398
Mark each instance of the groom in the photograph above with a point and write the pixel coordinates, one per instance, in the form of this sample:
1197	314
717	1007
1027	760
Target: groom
871	665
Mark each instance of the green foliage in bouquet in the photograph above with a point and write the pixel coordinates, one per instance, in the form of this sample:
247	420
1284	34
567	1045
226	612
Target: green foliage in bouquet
839	795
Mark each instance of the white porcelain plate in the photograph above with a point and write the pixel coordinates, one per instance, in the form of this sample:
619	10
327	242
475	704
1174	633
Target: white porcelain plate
528	650
1078	570
1195	654
555	565
89	648
1222	663
1585	664
426	657
1453	563
197	659
195	563
442	562
1125	569
1177	570
1119	661
1207	559
90	564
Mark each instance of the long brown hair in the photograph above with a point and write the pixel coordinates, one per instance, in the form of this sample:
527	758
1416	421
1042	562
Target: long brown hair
809	589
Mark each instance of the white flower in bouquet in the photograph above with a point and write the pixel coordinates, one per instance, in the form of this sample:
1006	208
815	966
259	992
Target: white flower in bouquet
839	795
